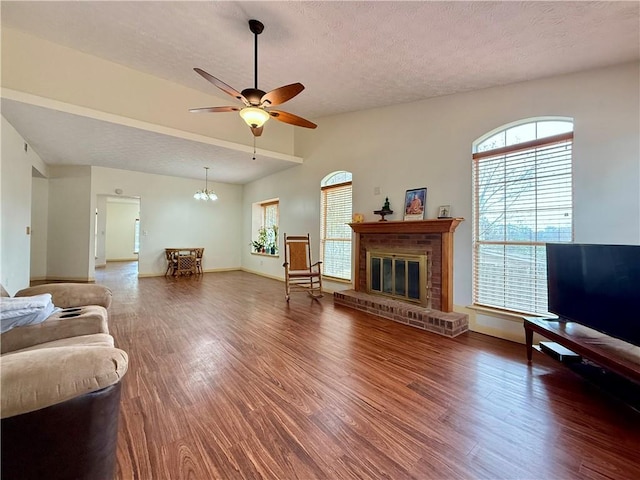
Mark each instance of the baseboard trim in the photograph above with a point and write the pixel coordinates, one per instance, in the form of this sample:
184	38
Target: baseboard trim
214	270
68	280
261	274
281	279
209	270
150	275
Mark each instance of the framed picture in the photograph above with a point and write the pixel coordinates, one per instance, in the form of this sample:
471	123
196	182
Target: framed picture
444	211
415	204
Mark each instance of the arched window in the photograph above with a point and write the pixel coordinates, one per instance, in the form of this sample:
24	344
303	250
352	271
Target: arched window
522	198
335	233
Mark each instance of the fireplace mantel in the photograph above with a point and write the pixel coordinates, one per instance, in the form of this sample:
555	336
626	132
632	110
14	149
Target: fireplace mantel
444	227
441	225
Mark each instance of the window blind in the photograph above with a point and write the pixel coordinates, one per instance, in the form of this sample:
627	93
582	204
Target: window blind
270	218
335	233
522	199
270	214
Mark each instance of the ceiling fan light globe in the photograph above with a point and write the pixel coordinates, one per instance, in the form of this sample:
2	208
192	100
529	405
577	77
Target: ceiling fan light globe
254	117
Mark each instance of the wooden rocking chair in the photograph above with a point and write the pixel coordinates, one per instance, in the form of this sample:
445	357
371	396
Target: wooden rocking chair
299	273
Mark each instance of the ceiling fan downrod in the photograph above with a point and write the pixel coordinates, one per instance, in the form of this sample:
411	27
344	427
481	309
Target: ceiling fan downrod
256	101
256	27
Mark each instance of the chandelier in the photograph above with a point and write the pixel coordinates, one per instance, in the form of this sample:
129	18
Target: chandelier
205	194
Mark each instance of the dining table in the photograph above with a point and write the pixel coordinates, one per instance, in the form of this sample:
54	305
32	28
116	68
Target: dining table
184	261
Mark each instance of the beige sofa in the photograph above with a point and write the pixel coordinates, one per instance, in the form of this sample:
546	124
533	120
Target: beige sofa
84	312
61	382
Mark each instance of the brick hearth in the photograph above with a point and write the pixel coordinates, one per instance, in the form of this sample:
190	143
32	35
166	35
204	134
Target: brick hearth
447	324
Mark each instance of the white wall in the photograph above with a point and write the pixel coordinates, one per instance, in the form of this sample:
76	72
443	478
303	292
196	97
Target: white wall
70	235
39	227
120	231
16	167
171	217
428	144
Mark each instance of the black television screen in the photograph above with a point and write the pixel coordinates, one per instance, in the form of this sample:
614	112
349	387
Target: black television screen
597	286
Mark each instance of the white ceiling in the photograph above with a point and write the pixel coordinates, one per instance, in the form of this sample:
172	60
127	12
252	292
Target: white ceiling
62	138
349	55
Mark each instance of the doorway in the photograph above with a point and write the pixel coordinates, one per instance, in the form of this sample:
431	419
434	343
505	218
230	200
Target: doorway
117	232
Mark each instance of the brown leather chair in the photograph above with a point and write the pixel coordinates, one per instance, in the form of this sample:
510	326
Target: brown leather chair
75	439
60	390
60	408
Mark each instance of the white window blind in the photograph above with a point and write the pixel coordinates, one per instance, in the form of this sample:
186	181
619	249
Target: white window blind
270	214
522	199
270	218
335	233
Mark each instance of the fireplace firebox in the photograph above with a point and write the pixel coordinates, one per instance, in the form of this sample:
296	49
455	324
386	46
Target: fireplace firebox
402	276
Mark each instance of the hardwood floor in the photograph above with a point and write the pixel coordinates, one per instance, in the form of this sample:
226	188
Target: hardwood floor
227	381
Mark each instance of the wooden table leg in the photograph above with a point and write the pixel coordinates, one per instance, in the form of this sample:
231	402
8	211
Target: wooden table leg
528	333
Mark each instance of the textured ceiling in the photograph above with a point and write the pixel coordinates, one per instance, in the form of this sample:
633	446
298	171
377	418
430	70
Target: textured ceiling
349	55
63	138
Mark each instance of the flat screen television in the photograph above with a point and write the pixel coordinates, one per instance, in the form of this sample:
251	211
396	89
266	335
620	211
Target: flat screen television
597	286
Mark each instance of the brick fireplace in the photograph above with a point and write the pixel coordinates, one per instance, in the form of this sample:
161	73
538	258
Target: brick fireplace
433	238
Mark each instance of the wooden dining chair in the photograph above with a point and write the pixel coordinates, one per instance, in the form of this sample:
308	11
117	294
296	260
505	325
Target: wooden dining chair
299	273
172	261
198	252
186	264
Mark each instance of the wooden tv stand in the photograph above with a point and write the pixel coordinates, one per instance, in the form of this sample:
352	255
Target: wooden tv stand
610	353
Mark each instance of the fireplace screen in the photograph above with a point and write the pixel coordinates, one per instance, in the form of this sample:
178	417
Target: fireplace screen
400	276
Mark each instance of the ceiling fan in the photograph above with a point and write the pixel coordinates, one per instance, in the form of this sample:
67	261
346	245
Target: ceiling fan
256	101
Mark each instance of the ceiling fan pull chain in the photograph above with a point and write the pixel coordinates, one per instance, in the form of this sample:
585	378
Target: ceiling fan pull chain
254	147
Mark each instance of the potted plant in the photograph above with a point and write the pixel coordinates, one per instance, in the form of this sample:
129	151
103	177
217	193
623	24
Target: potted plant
262	240
273	240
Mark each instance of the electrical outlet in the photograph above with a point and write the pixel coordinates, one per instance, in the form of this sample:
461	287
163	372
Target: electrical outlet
376	190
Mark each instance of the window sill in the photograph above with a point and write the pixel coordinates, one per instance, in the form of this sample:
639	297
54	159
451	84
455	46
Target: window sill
506	314
275	255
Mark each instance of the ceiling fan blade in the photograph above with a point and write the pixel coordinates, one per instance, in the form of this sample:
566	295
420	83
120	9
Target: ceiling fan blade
287	117
257	131
282	94
214	109
220	84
